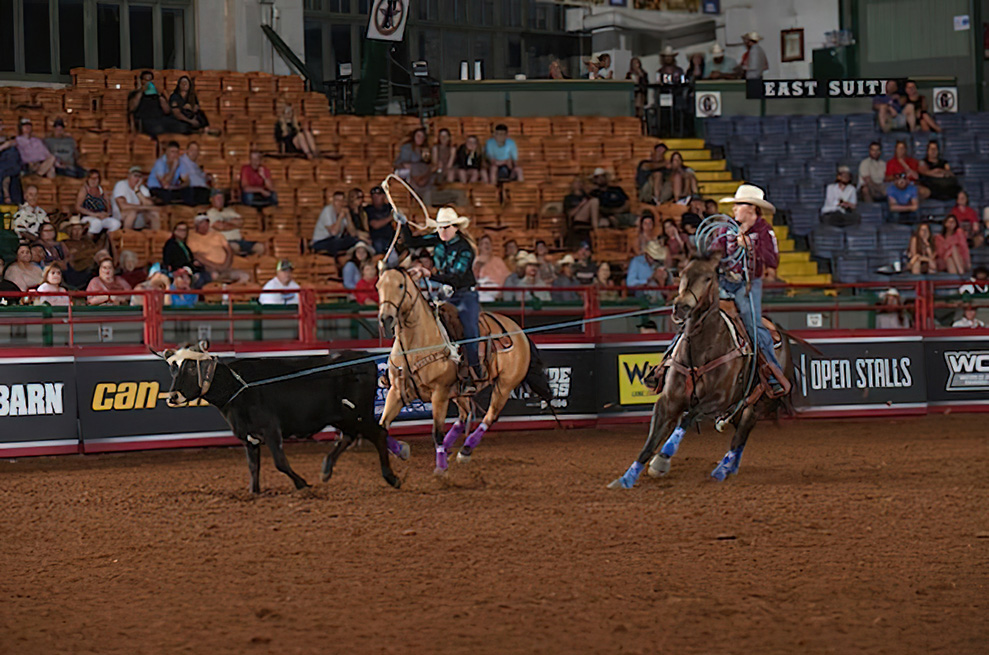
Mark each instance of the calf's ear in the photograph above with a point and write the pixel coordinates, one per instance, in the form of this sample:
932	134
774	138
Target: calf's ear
167	353
203	346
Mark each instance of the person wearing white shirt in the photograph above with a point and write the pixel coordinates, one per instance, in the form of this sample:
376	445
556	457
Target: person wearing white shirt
968	319
334	231
278	286
30	215
840	200
131	201
872	174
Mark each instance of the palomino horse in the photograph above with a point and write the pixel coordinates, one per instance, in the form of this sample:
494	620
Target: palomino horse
707	376
420	364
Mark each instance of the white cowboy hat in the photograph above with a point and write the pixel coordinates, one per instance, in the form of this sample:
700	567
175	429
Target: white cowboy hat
447	216
717	50
656	250
566	260
752	195
600	171
76	219
751	36
668	51
525	259
361	244
891	292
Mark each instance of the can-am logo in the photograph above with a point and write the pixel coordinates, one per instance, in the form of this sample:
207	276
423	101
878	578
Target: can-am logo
968	370
35	399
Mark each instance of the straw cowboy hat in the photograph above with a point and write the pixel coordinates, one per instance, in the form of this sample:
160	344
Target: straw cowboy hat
717	50
751	36
566	260
359	245
601	171
525	259
668	51
656	250
76	219
751	195
447	216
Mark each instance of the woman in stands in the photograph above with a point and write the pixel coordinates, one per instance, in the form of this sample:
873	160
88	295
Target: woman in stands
413	161
603	283
93	205
936	174
52	276
646	232
54	252
489	269
185	105
921	259
951	248
293	138
24	272
360	254
469	163
675	242
640	78
968	219
443	156
105	281
911	96
680	180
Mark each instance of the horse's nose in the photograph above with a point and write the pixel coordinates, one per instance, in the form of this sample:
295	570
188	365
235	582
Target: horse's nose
680	310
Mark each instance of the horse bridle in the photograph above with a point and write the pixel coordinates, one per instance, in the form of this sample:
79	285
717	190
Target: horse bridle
405	293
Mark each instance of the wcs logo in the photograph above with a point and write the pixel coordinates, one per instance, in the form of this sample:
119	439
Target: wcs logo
130	395
967	370
631	370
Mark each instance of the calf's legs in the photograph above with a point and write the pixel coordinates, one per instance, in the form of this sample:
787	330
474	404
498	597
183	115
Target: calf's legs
274	441
254	465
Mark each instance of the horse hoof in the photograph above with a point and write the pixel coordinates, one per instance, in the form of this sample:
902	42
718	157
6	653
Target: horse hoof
727	466
394	482
404	451
438	472
618	483
463	457
659	466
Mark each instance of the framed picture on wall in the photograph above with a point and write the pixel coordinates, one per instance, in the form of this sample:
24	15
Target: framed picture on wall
792	44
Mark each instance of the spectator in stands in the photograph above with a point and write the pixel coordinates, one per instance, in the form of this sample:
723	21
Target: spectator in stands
891	315
132	203
640	78
872	174
380	226
649	268
677	245
710	209
80	252
10	170
106	281
503	157
355	206
176	253
921	258
903	199
754	61
922	118
903	163
603	283
968	319
517	266
65	150
936	174
54	252
366	292
645	233
585	269
556	71
978	283
604	71
680	182
29	216
565	280
968	220
530	279
669	72
695	67
547	270
334	230
413	160
891	113
129	269
360	254
720	67
443	157
469	165
612	199
292	137
199	182
150	112
168	181
654	167
182	281
840	200
511	250
34	153
689	222
228	222
582	212
24	272
52	283
213	251
489	269
94	206
256	186
184	104
281	289
951	248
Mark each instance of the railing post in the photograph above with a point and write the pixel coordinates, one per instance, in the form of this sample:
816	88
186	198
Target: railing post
154	334
307	316
919	307
592	309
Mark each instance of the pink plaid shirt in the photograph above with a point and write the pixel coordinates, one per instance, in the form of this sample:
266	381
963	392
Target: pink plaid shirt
32	149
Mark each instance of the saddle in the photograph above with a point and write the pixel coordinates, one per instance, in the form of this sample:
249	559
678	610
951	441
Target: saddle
487	347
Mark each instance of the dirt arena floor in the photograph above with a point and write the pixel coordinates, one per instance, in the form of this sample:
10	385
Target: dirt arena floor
837	537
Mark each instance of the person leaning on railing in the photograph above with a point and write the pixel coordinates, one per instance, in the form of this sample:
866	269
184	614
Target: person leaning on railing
105	281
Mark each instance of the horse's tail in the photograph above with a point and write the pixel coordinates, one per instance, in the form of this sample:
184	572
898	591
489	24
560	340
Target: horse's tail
537	381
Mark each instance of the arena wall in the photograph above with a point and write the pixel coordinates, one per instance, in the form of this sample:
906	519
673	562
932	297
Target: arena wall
59	401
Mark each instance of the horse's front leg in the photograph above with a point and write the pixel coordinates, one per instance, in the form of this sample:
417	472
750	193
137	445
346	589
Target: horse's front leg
730	462
441	401
393	405
659	465
664	418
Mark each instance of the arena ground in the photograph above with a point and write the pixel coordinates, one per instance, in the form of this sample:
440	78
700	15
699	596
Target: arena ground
837	537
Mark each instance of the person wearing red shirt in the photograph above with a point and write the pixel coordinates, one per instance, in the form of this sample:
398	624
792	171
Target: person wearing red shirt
256	186
901	162
968	219
366	292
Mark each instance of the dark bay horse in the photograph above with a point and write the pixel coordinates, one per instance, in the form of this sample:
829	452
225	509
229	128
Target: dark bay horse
707	377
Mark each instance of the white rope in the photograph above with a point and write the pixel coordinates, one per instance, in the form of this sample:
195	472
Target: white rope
394	208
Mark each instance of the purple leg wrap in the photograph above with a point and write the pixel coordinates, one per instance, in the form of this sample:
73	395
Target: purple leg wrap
394	447
475	437
441	460
451	437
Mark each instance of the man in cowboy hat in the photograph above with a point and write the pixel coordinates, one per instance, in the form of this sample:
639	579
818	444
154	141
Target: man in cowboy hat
565	280
649	268
759	240
754	61
720	67
668	71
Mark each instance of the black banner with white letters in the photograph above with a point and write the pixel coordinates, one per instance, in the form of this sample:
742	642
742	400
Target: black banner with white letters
774	89
958	369
37	401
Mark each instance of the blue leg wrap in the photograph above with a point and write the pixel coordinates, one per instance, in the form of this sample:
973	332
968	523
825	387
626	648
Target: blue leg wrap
631	475
727	466
669	448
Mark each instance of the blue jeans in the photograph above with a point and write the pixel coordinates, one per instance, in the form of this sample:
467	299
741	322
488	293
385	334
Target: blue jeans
257	200
469	309
749	304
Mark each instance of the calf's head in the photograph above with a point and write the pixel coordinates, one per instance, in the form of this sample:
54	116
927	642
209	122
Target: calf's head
192	371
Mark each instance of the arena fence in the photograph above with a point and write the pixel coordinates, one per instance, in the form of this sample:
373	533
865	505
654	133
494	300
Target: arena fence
78	394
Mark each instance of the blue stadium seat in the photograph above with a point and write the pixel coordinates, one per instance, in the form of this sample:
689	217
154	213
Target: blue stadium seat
791	169
803	124
861	121
803	220
871	213
717	131
771	149
980	256
802	149
741	151
821	171
889	143
982	146
811	194
827	241
783	194
851	268
893	237
858	149
861	239
746	126
775	125
977	123
832	149
973	169
919	142
831	122
951	123
957	147
761	173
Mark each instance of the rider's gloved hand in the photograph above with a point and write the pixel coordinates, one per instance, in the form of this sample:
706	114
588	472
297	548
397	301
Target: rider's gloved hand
446	291
400	218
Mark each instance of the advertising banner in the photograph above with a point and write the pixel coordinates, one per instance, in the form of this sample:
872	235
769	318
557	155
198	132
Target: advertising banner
772	89
957	370
37	405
